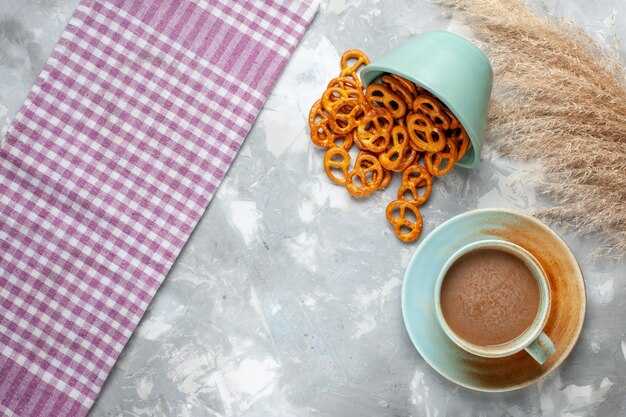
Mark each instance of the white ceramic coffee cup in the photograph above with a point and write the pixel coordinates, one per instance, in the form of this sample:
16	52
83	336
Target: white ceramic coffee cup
533	339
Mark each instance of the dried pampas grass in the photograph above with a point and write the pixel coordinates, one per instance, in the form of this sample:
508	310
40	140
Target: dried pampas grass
560	100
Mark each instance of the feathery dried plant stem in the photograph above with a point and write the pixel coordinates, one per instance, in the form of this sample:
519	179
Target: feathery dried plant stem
561	100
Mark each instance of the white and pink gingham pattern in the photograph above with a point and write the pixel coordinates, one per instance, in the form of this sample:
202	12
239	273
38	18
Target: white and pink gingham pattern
106	170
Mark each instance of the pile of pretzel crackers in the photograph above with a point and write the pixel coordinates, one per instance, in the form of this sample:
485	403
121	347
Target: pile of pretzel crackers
397	126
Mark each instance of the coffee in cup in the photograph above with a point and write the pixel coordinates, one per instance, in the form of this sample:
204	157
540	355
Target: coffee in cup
489	297
492	299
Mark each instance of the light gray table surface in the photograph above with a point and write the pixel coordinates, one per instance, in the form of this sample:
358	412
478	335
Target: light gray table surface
286	299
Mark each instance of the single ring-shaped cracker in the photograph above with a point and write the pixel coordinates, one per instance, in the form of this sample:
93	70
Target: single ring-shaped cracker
464	143
410	156
415	179
374	129
347	140
440	163
321	133
454	122
318	123
387	174
423	133
400	221
367	162
365	165
317	113
409	85
349	68
382	96
330	161
343	117
334	95
398	87
392	157
345	83
433	108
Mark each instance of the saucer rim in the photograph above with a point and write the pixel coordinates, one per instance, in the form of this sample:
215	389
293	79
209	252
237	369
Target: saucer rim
582	310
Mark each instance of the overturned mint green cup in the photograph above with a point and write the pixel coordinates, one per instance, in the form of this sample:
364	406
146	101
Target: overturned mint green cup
453	69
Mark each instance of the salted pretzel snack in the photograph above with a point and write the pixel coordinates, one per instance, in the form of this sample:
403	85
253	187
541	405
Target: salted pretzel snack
321	133
399	88
334	95
368	170
424	134
367	162
382	96
463	143
417	181
400	222
339	140
351	61
318	123
345	83
454	122
394	156
440	163
413	88
433	108
397	126
344	115
374	129
337	158
410	157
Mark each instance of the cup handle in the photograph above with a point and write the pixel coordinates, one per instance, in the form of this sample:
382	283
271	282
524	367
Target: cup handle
541	348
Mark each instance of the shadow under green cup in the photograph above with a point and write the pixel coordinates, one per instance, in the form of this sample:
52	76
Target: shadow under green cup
453	69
